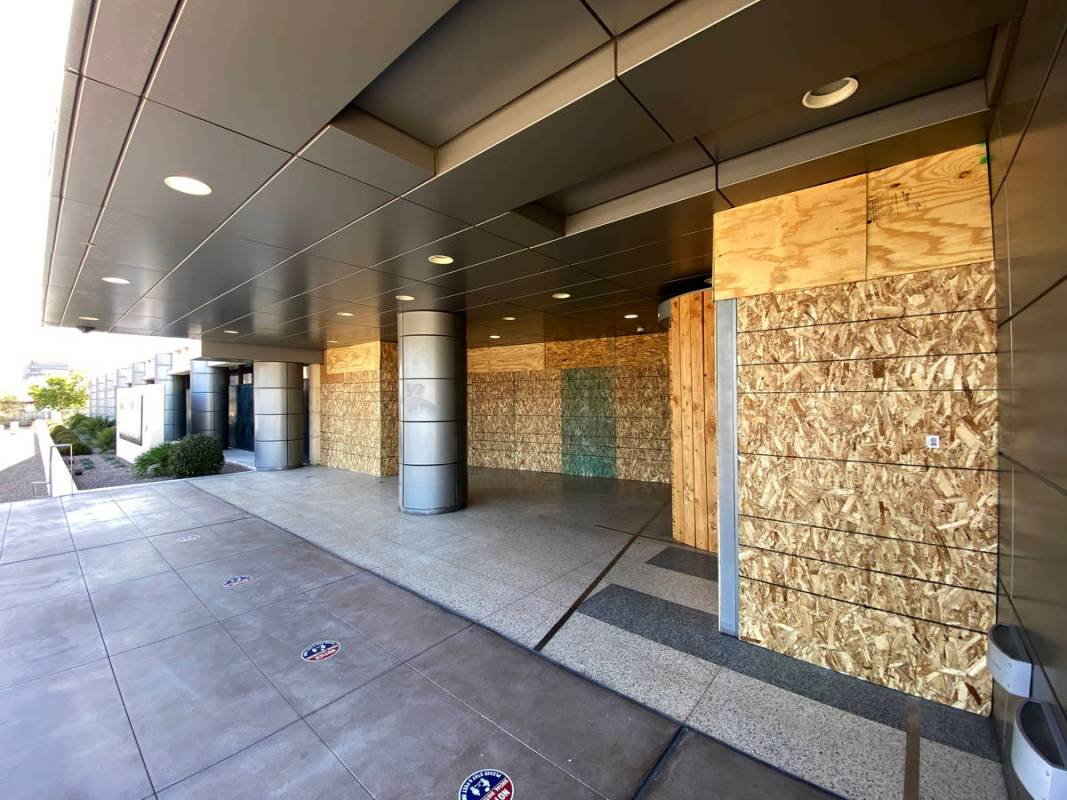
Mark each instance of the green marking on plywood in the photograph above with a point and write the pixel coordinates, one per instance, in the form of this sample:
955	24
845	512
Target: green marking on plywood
587	422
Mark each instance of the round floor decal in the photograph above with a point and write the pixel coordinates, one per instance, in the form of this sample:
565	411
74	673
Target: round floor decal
320	651
192	537
237	580
487	784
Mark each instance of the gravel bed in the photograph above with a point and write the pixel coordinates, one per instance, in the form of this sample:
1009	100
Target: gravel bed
16	480
107	470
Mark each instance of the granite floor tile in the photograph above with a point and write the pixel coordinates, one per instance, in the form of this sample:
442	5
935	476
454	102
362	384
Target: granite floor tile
120	562
443	742
401	622
608	742
47	637
290	763
275	636
675	587
945	772
145	610
40	579
99	533
527	620
196	699
67	736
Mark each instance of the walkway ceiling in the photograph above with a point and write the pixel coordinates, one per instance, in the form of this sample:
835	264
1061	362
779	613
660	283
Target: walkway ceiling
553	146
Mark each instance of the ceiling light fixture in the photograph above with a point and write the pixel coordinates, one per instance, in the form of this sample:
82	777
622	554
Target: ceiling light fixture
494	335
187	185
116	281
440	259
231	332
830	94
508	319
90	319
404	298
331	341
345	314
561	295
629	316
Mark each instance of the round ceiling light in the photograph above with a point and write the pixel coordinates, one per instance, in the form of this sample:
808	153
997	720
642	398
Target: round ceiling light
116	281
494	335
629	316
440	259
231	332
508	319
561	295
187	185
404	298
331	341
830	94
344	313
89	319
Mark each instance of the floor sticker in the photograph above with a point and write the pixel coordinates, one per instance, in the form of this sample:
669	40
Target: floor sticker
192	537
320	651
487	784
237	580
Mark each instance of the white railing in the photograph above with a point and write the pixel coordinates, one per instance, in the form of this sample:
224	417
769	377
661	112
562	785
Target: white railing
59	479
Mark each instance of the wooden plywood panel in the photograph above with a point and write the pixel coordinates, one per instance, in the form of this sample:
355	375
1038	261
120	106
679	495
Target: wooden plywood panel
929	213
507	358
934	661
710	424
646	349
952	566
952	507
357	358
814	237
697	382
873	426
580	353
683	321
677	462
933	292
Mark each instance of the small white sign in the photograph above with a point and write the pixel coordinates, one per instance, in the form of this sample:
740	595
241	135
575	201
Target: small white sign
933	441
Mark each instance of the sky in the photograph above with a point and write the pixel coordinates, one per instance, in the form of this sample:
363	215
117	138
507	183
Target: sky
33	39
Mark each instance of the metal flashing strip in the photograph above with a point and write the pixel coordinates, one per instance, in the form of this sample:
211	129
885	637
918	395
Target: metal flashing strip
726	439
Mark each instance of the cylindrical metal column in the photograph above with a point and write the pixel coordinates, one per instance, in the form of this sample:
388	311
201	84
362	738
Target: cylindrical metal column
278	408
433	411
109	396
137	373
173	395
208	398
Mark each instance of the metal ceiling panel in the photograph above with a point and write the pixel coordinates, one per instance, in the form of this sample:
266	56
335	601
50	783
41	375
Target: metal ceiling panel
521	264
80	12
579	124
543	283
68	96
619	15
232	261
303	203
656	254
75	226
61	277
740	59
656	280
479	57
141	279
599	294
360	286
126	37
302	273
528	225
367	149
277	72
150	242
167	142
468	247
393	229
296	308
104	117
678	159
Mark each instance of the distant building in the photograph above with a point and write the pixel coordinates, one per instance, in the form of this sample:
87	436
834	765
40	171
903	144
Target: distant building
37	372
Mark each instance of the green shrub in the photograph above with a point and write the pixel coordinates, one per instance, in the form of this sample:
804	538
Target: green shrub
105	438
58	430
154	460
198	454
76	421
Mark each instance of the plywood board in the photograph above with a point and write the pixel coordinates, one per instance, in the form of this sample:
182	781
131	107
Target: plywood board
580	353
356	358
700	484
814	237
506	358
677	463
646	349
929	213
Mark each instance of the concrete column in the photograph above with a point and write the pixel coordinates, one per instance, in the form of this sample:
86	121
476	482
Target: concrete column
433	411
278	405
137	376
209	399
109	396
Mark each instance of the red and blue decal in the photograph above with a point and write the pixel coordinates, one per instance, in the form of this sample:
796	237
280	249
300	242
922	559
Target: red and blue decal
237	580
320	651
487	784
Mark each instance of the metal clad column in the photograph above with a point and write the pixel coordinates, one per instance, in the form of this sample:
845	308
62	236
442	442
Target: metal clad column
433	411
109	396
173	397
278	409
207	396
137	375
726	436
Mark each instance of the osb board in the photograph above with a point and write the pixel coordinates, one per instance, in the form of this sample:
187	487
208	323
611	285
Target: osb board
956	373
580	353
970	286
934	602
813	237
356	358
872	426
934	661
952	507
506	358
928	213
966	568
952	333
648	348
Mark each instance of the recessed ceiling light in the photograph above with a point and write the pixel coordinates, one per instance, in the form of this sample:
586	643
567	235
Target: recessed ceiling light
187	185
404	298
345	314
561	295
230	331
830	94
112	279
494	335
331	341
629	316
508	319
90	319
440	259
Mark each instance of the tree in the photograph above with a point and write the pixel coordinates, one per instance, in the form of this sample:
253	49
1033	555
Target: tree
10	407
62	395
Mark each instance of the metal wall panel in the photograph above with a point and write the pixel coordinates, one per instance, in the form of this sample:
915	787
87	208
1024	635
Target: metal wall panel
278	406
208	399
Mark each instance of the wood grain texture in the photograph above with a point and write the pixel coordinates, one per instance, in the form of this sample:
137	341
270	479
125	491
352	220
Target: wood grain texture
814	237
929	213
580	353
356	358
931	660
358	410
965	287
649	349
506	358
